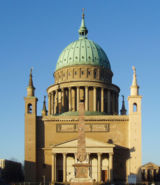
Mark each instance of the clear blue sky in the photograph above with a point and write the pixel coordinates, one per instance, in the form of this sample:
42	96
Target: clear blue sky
33	34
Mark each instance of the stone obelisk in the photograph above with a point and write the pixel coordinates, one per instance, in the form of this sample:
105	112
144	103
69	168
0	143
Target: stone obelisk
82	166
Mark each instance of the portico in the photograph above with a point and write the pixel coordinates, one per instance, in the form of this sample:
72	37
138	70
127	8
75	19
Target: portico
99	155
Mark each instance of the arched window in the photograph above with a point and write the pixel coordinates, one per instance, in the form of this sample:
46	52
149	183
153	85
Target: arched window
134	107
29	108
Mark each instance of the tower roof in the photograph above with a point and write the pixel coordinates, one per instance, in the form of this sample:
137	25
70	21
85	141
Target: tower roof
134	86
30	79
83	52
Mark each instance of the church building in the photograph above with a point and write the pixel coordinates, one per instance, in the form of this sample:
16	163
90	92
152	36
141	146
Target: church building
113	140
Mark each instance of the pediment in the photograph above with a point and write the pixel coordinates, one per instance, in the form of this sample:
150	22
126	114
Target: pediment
90	143
150	165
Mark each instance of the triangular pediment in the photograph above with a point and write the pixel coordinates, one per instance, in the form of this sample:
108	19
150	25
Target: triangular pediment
150	166
89	144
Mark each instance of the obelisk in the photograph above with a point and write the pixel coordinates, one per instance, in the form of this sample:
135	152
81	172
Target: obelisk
82	166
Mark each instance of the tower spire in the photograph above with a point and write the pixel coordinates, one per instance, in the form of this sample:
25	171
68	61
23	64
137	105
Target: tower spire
83	31
30	88
134	86
134	83
123	109
30	79
44	110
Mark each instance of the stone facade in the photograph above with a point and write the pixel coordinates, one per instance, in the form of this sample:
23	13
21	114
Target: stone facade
150	172
113	141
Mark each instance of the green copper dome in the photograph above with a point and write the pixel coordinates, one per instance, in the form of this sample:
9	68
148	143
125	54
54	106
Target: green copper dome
83	52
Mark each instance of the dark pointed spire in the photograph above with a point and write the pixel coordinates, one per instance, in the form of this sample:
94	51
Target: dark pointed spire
83	31
123	109
44	110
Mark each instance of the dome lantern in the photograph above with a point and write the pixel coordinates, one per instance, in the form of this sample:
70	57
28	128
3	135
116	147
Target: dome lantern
83	31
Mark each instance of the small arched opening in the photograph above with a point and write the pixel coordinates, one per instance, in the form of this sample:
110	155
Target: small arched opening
134	107
29	109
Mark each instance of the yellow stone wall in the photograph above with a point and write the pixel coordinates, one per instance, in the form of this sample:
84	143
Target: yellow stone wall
118	133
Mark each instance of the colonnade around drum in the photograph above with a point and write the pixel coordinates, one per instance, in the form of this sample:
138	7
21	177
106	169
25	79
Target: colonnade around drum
97	99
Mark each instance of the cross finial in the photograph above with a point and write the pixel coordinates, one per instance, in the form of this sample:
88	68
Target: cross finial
134	69
82	12
31	70
123	97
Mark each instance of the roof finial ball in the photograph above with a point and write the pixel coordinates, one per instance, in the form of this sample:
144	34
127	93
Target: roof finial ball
83	30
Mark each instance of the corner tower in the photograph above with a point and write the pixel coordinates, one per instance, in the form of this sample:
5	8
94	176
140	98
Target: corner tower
30	132
134	101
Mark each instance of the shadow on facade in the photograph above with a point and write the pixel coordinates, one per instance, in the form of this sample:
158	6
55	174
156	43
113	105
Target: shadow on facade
37	172
120	157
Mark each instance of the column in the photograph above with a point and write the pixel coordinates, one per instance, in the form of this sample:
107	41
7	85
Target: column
99	167
94	99
86	98
108	101
56	102
117	108
52	103
75	157
111	167
62	100
49	103
64	167
75	161
102	99
59	101
53	168
77	98
69	97
112	97
73	99
88	159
